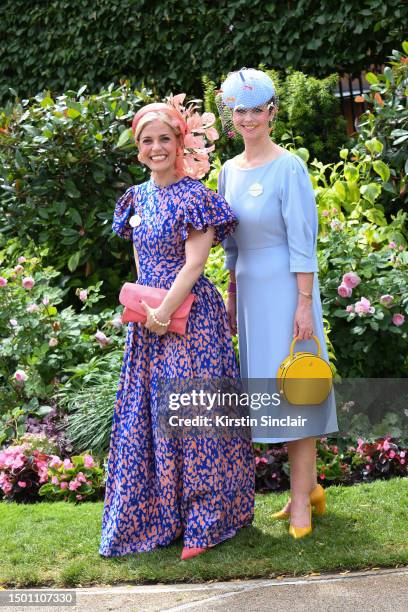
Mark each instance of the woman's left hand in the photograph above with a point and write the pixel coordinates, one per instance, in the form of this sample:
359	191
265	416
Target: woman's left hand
303	323
150	324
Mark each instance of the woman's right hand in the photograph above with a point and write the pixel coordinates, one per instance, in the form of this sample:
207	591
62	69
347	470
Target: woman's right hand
232	312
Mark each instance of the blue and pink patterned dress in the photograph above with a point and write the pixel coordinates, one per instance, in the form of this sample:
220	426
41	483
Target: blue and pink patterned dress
161	487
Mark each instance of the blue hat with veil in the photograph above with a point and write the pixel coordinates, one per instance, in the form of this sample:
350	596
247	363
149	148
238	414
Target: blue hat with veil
247	88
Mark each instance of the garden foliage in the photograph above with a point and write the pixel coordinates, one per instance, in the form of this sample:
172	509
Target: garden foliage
387	121
60	174
65	161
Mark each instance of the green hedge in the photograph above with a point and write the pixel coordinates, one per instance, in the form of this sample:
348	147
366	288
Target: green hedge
59	45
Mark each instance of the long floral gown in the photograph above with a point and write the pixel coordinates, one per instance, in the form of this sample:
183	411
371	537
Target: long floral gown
160	487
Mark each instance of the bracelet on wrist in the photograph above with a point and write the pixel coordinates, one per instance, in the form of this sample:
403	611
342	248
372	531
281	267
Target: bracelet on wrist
307	295
161	323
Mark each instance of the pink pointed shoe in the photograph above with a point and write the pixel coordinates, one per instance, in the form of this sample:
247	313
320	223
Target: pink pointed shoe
189	553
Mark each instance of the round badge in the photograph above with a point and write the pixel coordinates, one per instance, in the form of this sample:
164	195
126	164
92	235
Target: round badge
135	220
256	189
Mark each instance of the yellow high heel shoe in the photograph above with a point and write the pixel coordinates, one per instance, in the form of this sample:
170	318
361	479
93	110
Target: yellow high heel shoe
317	500
282	515
301	532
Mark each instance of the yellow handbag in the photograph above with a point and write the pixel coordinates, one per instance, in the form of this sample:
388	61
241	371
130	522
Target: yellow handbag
304	378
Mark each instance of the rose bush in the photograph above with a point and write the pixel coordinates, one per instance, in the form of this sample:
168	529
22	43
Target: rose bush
39	341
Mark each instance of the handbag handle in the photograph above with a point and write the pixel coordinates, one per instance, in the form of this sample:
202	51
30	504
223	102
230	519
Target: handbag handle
295	339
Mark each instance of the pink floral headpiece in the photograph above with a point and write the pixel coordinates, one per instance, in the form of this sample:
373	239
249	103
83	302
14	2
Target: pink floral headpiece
194	130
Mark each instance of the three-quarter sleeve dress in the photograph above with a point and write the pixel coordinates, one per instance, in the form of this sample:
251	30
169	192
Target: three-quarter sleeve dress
159	487
276	238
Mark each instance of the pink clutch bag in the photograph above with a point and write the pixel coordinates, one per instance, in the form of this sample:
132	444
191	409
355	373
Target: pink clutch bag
131	294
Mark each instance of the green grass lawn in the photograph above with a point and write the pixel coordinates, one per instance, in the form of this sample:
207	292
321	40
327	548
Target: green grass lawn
56	544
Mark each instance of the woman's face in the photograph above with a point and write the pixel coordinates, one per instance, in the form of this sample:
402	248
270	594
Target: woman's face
158	147
252	122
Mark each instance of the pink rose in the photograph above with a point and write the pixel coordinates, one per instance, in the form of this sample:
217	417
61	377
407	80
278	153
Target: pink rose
21	260
64	485
231	134
55	480
363	306
325	213
391	454
80	477
32	308
22	484
18	269
20	376
79	497
46	300
3	281
88	461
101	338
344	291
350	308
67	464
351	279
83	294
74	485
392	245
398	319
334	211
53	342
386	299
28	282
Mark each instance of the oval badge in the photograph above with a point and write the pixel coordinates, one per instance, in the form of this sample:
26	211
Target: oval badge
135	221
256	189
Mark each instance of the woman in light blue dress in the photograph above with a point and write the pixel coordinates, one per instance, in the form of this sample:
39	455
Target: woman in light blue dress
274	291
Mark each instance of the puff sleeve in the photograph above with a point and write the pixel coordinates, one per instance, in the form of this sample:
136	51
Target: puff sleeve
299	215
123	212
229	244
203	209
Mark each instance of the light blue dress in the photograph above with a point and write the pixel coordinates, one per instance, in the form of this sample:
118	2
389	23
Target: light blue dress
276	237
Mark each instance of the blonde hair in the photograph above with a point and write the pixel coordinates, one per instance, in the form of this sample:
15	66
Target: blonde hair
156	116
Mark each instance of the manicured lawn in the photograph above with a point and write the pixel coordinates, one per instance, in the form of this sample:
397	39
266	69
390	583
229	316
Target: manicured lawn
56	544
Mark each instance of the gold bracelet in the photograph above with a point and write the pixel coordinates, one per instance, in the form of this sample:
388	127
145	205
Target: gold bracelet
159	322
308	295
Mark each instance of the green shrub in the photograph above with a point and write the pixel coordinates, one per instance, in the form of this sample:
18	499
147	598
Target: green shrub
61	172
355	237
38	341
387	123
